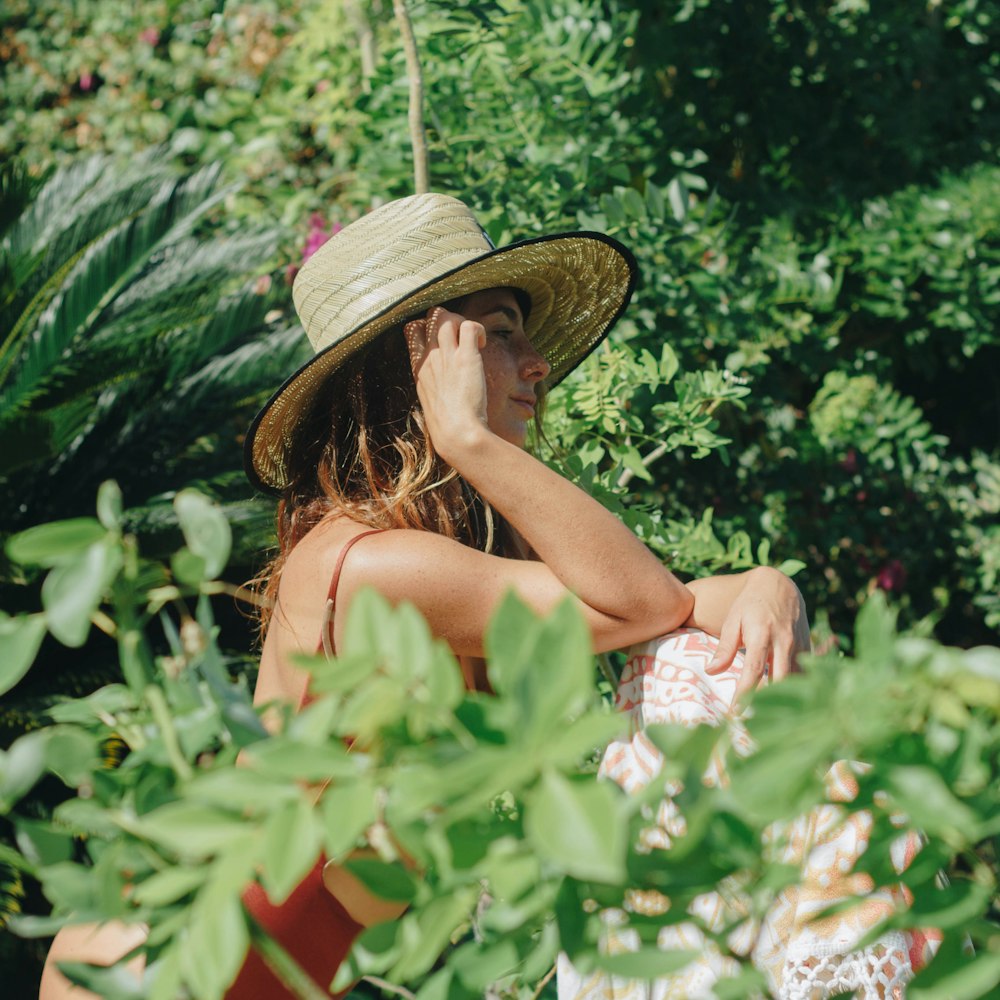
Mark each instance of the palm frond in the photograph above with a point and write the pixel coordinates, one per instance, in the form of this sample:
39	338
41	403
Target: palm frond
99	273
16	190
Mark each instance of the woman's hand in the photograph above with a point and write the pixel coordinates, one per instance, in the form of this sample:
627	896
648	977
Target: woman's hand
451	385
768	620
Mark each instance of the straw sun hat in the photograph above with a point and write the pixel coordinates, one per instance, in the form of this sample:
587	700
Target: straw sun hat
401	259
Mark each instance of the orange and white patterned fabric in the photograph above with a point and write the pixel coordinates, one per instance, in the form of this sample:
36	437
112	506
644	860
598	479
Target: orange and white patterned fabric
802	958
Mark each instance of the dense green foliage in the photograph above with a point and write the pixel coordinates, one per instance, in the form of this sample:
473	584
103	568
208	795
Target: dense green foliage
810	189
492	797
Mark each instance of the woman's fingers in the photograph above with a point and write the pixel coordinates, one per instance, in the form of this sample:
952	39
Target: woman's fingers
729	644
415	333
753	672
782	661
445	330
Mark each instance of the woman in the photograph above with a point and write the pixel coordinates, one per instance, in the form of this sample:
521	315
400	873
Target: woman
399	454
406	435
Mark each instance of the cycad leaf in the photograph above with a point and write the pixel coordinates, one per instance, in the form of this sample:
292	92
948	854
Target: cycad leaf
101	272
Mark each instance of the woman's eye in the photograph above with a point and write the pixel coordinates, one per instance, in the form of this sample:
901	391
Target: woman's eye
502	332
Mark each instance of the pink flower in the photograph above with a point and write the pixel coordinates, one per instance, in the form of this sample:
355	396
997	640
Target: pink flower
262	285
86	80
892	576
150	35
849	463
318	234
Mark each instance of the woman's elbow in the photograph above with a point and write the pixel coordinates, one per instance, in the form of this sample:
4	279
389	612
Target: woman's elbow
93	944
659	611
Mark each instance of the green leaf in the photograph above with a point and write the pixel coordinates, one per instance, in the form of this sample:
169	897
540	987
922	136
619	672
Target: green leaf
109	505
370	626
115	983
169	886
55	544
218	940
374	951
654	201
875	630
278	757
35	927
632	460
292	840
389	880
645	963
69	886
677	194
187	568
426	934
579	827
519	645
957	977
72	754
924	796
348	810
791	566
478	965
21	766
633	204
191	829
949	906
669	364
206	530
42	843
242	790
165	974
20	640
509	636
73	591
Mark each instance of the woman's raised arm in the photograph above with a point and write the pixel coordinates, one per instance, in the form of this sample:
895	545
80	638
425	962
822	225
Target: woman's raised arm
624	591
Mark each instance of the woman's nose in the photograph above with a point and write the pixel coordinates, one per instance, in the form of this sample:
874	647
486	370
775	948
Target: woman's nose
534	365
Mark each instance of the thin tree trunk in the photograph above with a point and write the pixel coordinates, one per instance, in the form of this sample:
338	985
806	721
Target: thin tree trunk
418	139
366	42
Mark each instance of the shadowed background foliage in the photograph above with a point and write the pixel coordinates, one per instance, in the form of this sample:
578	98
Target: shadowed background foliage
811	189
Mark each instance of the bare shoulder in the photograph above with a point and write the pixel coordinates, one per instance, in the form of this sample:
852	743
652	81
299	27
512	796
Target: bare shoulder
455	587
401	562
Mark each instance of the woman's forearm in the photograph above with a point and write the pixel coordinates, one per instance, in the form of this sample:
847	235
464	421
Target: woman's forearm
592	553
713	598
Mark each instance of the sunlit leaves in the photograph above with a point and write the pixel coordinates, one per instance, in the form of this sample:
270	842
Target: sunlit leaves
482	812
207	534
20	639
579	826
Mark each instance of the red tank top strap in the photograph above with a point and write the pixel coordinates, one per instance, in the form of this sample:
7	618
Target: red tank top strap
325	644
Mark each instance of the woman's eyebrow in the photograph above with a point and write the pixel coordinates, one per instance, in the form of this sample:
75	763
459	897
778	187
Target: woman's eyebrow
511	314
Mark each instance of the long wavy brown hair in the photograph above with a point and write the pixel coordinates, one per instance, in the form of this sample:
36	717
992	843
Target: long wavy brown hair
364	453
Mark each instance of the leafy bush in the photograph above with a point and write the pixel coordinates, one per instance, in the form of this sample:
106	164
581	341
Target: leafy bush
493	797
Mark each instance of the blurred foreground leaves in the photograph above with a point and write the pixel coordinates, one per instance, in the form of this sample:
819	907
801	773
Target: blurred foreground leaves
512	846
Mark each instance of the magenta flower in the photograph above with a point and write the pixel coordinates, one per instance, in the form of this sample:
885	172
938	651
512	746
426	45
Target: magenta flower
86	80
318	234
891	577
150	35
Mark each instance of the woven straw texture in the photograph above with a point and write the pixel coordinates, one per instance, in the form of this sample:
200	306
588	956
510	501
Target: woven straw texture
401	259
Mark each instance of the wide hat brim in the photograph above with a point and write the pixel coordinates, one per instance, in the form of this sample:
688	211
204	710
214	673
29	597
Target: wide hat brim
579	284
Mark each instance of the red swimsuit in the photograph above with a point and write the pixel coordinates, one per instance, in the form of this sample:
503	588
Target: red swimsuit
310	925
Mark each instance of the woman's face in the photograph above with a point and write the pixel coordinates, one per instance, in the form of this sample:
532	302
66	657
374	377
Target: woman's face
513	368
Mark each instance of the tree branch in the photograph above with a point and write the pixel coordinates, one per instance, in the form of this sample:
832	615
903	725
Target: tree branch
647	460
366	42
418	139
